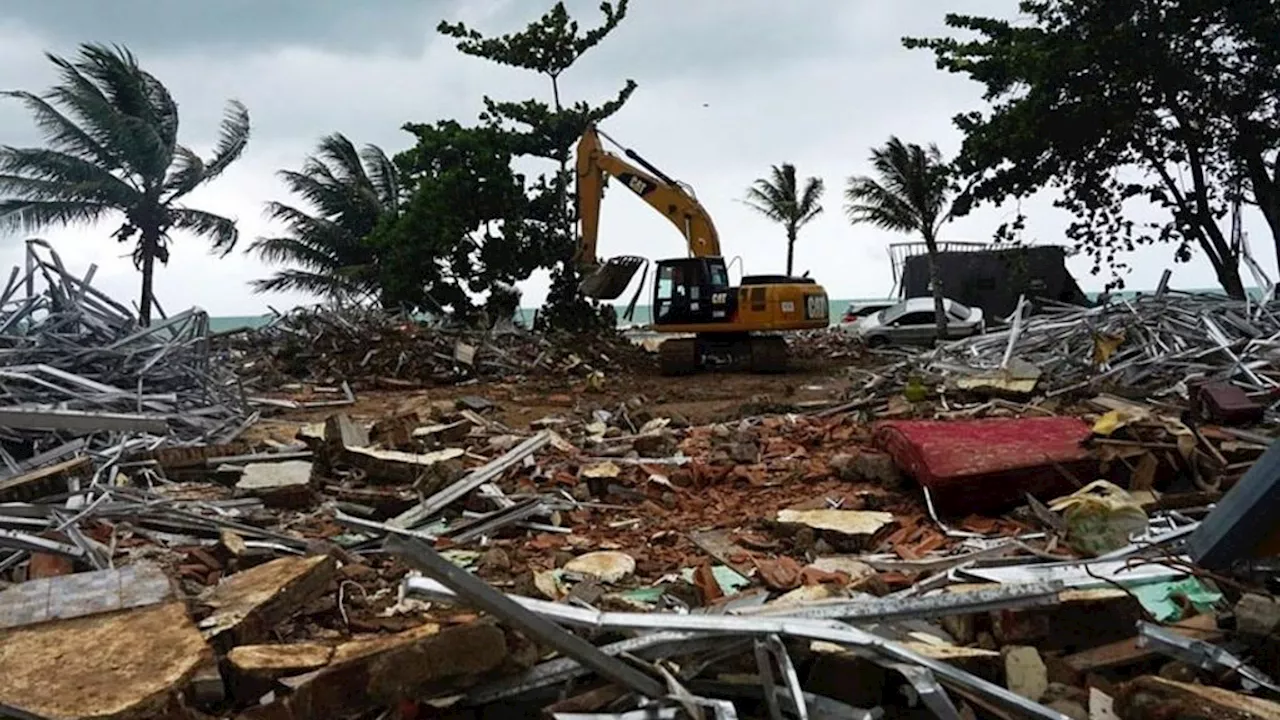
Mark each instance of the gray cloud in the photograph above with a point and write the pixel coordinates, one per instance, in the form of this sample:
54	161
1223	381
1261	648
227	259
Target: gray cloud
726	89
231	25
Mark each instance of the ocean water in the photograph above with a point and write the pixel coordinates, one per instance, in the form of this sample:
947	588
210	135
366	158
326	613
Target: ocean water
837	308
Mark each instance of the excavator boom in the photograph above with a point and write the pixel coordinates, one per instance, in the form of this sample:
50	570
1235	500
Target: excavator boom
662	193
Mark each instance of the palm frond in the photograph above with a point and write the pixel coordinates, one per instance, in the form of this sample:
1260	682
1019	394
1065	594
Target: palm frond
313	283
307	254
383	176
221	230
318	230
810	204
185	174
17	215
83	179
141	103
97	118
61	132
867	201
233	137
339	155
761	197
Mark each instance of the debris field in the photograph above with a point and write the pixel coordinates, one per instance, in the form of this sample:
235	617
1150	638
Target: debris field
1064	519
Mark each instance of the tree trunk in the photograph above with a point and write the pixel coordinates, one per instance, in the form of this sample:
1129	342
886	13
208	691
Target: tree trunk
149	245
1266	191
935	282
791	249
1226	263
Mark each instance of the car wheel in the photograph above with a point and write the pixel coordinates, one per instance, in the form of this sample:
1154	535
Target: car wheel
877	341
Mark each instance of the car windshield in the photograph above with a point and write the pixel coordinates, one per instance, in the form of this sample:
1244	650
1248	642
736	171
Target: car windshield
958	310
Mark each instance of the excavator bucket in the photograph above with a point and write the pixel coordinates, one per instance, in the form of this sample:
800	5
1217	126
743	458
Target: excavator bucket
609	280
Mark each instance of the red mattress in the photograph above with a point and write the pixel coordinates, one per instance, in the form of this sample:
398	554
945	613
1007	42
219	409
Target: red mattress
976	466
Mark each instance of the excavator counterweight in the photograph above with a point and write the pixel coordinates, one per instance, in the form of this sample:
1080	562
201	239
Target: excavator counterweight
720	324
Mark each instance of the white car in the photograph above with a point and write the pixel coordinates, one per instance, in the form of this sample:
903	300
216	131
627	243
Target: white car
911	322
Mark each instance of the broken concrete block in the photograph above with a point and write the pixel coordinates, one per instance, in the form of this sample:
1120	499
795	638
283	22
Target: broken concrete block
608	566
866	466
127	665
279	484
344	433
253	669
1025	672
1257	615
273	661
845	522
80	594
247	605
363	674
430	471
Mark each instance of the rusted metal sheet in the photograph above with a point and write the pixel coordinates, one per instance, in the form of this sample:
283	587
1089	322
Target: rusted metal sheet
984	465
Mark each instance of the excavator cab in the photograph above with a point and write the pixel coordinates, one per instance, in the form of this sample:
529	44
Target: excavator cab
692	291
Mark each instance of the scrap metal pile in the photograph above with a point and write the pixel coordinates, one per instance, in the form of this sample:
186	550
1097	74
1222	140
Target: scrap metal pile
1150	346
77	373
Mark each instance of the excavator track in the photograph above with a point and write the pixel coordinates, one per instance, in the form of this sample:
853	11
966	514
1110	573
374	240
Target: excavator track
678	356
768	354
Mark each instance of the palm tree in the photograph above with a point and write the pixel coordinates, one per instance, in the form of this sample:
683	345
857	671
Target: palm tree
911	193
111	130
780	198
349	192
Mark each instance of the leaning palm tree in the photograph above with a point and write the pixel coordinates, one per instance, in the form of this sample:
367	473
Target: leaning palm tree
911	193
111	130
781	199
349	192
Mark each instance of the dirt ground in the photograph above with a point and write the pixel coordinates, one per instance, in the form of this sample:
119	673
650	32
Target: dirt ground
700	399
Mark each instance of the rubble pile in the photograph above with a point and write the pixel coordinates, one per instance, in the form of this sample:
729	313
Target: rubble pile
958	540
369	347
725	569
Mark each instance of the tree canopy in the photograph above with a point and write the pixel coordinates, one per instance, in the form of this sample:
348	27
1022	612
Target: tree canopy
549	46
782	199
1170	102
111	133
462	226
347	193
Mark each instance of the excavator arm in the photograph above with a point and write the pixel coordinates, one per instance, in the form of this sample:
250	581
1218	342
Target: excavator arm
661	193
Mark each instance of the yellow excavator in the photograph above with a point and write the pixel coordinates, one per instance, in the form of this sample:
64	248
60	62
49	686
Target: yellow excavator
691	295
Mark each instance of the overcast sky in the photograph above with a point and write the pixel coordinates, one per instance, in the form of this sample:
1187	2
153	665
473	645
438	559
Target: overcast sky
725	90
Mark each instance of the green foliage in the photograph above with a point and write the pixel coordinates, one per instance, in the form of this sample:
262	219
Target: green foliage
348	193
111	130
549	46
910	193
781	198
1165	101
461	227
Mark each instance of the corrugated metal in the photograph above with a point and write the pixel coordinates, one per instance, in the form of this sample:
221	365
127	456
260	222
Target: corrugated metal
984	465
